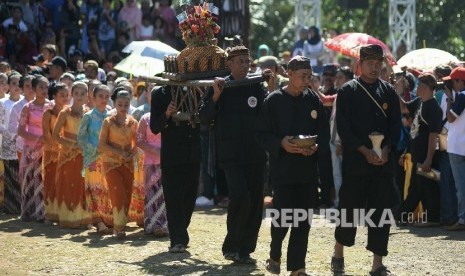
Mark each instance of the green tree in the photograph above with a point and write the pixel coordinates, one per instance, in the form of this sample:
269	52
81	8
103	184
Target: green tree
439	23
271	24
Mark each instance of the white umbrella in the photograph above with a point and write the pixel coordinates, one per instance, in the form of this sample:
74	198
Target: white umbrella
146	58
151	48
141	66
426	59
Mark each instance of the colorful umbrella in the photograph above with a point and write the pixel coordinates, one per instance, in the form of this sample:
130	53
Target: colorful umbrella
426	59
349	44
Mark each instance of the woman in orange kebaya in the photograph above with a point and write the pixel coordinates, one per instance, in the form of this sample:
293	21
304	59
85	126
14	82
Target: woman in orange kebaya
59	93
118	144
70	183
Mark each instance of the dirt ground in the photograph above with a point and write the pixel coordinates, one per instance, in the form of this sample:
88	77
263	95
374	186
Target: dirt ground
28	248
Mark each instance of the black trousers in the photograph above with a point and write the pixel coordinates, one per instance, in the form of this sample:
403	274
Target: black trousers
180	184
212	177
295	196
245	184
375	191
399	176
425	190
325	172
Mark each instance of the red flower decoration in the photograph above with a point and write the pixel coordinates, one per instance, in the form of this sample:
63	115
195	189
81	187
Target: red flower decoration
199	28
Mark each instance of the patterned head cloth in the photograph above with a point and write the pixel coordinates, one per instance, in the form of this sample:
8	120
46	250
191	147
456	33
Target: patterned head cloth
238	50
298	63
371	51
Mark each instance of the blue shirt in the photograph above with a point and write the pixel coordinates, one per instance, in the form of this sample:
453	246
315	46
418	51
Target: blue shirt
88	135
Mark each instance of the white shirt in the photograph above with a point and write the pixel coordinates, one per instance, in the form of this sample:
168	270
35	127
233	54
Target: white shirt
4	98
443	105
146	32
21	25
9	139
313	52
456	135
14	122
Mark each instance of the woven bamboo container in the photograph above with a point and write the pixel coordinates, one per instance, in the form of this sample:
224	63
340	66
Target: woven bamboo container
201	59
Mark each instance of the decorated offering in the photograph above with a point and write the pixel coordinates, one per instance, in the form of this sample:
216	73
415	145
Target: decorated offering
201	58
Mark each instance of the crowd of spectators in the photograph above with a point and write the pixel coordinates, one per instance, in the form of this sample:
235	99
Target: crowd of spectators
32	33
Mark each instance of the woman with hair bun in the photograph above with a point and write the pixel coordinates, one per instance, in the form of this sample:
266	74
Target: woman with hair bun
30	167
70	185
118	143
58	93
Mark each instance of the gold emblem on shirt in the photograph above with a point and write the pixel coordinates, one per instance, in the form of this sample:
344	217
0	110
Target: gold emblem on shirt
314	114
385	106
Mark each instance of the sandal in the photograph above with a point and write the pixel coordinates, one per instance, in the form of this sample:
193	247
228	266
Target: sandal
300	272
120	235
273	266
229	256
160	232
102	229
178	248
223	203
245	260
337	265
381	271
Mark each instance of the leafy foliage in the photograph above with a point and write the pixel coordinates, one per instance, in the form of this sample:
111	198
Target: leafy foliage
439	23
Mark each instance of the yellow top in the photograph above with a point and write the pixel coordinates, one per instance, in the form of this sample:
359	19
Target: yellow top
51	146
120	136
69	131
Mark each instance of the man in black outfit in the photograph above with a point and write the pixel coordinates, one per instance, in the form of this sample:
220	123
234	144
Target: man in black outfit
291	111
426	126
234	111
366	105
180	163
325	165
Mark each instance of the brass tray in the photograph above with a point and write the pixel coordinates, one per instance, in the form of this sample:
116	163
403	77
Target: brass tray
304	141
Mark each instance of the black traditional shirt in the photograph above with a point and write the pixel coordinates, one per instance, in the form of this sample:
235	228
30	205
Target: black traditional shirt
180	141
285	115
234	117
359	114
